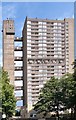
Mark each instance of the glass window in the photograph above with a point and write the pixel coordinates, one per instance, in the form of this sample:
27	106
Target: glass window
55	23
39	22
19	103
28	22
19	83
28	33
18	93
28	26
18	63
18	73
18	53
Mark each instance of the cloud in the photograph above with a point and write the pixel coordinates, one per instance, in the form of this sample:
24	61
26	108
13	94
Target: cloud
19	28
22	24
73	16
8	11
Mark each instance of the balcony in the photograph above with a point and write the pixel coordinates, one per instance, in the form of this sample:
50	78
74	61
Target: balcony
18	48
19	98
18	78
18	87
18	39
18	68
18	58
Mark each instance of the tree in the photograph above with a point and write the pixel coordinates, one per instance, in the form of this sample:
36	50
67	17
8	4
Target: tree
57	95
8	98
50	98
74	67
67	85
17	113
0	94
74	97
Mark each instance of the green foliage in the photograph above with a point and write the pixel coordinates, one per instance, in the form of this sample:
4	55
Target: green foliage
74	97
17	113
0	90
67	85
50	98
74	67
8	98
57	95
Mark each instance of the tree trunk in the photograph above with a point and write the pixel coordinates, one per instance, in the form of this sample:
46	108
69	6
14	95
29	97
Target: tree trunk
75	112
72	113
57	112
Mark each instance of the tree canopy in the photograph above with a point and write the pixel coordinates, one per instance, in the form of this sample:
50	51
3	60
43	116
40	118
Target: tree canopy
74	97
57	95
8	98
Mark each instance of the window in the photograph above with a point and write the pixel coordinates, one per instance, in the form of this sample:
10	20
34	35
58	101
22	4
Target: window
28	22
28	33
19	103
19	83
18	93
18	73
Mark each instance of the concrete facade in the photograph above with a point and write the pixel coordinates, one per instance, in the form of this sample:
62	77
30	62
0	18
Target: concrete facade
48	50
9	58
8	48
75	28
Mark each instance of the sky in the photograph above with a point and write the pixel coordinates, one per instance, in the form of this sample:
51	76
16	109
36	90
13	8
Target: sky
37	0
50	10
19	10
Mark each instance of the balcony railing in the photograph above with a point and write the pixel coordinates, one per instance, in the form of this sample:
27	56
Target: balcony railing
18	48
18	68
18	77
18	39
18	58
